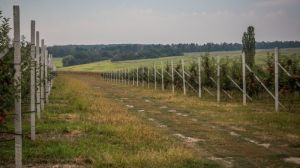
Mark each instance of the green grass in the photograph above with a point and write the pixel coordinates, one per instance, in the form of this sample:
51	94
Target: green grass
261	57
80	126
58	62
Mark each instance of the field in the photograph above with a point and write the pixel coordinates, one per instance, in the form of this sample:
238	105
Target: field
58	62
261	57
93	123
83	127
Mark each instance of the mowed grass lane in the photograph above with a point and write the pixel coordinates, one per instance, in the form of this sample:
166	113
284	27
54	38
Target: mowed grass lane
82	127
228	132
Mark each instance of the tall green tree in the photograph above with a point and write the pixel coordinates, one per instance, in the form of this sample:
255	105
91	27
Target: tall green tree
249	46
249	50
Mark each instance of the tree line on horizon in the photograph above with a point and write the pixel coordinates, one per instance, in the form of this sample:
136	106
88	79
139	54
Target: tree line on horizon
80	54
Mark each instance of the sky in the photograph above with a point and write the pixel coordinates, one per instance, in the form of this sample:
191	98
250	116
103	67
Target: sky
62	22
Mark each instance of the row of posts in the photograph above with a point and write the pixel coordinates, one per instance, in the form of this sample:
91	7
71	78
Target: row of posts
122	76
40	86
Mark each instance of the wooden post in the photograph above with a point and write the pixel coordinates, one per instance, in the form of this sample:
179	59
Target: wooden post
276	81
42	76
32	83
172	73
199	78
218	79
162	76
183	77
244	79
154	76
38	68
17	84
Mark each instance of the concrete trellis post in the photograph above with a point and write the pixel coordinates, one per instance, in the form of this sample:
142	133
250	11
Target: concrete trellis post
143	76
172	75
128	77
133	78
218	79
137	76
46	77
183	77
122	76
148	77
32	83
38	80
162	76
244	79
276	81
199	78
119	77
155	85
17	84
42	76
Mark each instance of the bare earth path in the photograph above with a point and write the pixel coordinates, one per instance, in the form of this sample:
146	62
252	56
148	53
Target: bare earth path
231	145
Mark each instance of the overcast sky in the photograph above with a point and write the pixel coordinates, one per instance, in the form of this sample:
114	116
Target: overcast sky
157	21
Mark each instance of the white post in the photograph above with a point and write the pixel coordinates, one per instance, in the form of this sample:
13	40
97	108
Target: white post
162	76
122	76
148	73
218	79
32	82
154	76
17	84
133	78
172	73
119	76
46	75
143	76
137	76
183	77
276	81
42	75
199	77
38	68
128	77
244	79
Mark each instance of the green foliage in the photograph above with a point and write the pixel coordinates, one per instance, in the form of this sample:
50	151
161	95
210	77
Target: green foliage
81	54
6	70
249	46
229	68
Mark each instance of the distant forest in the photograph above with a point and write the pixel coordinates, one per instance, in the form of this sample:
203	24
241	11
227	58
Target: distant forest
80	54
